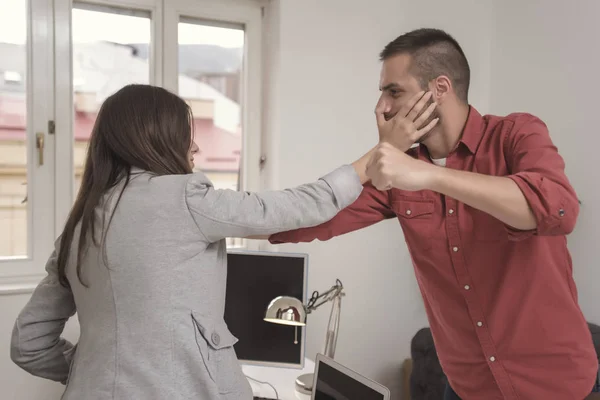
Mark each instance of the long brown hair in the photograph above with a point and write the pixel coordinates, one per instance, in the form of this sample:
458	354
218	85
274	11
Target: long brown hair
139	126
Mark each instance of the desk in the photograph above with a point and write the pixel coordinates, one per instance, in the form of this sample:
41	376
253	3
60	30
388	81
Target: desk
283	379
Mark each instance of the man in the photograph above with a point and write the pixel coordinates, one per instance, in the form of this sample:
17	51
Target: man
485	207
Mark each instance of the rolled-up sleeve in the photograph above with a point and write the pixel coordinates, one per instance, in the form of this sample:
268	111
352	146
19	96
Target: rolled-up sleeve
539	171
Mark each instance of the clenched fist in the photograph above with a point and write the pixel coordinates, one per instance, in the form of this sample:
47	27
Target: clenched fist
390	167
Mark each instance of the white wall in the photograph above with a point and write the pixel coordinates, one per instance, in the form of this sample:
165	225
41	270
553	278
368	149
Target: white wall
320	115
546	62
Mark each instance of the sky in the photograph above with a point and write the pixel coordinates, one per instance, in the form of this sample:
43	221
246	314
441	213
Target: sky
90	26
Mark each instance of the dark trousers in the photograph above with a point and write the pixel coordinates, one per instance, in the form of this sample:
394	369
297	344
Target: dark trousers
449	394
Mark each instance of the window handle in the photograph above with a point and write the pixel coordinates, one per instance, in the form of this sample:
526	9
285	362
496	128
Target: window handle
39	144
25	199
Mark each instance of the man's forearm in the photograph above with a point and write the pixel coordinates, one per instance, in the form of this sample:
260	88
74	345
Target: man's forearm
498	196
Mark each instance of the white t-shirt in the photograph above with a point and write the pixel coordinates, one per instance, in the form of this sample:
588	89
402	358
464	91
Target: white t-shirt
439	161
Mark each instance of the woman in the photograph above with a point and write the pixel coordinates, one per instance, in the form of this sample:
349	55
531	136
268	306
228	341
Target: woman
142	259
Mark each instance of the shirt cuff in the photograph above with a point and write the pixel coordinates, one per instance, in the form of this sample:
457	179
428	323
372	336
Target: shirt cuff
546	203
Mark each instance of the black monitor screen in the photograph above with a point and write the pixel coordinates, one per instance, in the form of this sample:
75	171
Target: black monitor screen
253	280
332	384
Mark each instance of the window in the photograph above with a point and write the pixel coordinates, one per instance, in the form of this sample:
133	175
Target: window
25	163
216	68
104	60
60	59
210	70
13	130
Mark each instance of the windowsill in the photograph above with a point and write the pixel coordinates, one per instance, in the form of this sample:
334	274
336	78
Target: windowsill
19	284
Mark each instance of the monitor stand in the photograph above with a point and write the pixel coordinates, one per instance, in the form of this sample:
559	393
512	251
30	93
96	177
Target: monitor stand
304	383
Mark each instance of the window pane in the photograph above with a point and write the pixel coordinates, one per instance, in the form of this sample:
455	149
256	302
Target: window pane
13	128
111	48
210	71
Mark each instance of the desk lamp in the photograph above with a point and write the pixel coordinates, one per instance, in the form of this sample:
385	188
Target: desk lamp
287	310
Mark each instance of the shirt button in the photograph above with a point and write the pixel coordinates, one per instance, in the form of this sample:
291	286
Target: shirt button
467	287
455	249
492	358
450	211
408	212
479	323
216	339
561	212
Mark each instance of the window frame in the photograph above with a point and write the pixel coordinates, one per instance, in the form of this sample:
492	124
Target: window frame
248	14
64	89
17	273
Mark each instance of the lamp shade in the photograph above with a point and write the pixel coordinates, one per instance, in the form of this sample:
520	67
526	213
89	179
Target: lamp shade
286	310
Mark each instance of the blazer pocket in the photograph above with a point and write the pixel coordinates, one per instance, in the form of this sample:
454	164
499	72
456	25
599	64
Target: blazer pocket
416	219
215	344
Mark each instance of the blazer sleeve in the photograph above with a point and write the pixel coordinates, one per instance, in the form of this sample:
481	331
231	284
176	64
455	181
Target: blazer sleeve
36	343
226	213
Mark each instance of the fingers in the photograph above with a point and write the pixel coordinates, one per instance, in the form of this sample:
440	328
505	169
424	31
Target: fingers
406	108
381	183
383	187
378	180
421	132
375	171
380	111
425	115
418	107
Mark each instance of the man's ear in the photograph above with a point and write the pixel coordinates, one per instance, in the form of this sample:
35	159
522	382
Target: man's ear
440	87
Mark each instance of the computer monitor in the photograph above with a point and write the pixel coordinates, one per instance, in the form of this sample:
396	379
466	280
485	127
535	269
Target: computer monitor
253	280
333	381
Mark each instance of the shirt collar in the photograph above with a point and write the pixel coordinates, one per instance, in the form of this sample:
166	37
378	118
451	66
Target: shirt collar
473	131
471	135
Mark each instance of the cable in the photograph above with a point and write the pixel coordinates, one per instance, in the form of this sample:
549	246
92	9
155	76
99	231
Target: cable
265	383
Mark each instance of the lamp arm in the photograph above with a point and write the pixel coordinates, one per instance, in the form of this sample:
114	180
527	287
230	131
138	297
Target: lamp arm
335	291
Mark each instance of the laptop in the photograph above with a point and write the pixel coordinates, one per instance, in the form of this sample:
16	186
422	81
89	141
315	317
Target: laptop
333	381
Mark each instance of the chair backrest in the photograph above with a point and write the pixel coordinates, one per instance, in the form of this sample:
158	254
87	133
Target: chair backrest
427	379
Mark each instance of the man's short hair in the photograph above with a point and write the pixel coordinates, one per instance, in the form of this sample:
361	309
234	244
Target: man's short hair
433	53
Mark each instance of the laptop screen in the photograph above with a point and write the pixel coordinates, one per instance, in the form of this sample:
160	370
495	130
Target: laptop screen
332	384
